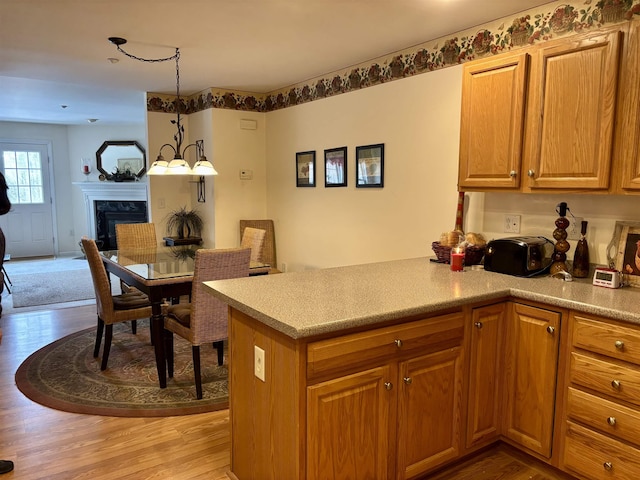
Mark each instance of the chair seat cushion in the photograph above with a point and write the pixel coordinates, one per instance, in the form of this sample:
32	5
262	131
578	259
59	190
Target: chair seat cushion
128	301
181	312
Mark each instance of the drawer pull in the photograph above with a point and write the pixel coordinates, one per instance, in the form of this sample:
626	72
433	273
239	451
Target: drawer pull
531	173
398	343
551	329
611	421
512	173
619	344
615	384
608	466
388	385
408	380
478	325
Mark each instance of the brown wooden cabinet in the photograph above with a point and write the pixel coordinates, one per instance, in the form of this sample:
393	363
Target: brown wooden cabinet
484	407
565	142
531	366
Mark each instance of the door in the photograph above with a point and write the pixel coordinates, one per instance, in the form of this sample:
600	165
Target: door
28	227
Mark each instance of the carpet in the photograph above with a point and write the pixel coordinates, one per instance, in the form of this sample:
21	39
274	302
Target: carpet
46	288
64	375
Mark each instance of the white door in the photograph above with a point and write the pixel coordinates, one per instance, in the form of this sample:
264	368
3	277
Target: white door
28	227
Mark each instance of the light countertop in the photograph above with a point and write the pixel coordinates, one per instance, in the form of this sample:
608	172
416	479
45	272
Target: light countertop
304	304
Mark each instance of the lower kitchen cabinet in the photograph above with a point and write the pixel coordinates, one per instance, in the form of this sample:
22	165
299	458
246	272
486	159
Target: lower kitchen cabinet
531	366
484	408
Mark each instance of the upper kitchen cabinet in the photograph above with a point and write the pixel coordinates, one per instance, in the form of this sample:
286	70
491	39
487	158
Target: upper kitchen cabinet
492	122
627	150
542	120
570	114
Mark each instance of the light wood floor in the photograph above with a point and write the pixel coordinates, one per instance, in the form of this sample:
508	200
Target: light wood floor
49	444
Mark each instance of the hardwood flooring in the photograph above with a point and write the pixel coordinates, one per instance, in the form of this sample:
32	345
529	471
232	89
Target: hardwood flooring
54	445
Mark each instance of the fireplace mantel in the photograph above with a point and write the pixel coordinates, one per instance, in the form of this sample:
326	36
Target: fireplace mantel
92	191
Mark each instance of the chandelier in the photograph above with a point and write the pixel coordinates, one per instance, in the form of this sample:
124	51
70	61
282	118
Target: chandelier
179	165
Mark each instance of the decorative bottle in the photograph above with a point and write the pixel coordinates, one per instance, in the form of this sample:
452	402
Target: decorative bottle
559	256
581	256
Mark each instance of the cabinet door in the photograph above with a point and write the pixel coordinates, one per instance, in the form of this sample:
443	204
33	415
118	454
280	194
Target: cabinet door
569	132
348	426
531	363
485	374
429	404
492	122
628	124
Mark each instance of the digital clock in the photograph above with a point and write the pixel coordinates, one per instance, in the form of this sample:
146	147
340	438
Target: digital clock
607	277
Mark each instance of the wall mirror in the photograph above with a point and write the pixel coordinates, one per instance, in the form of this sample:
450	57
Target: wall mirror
121	159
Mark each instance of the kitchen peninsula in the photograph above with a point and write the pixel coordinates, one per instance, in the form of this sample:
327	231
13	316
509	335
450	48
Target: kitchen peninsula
394	369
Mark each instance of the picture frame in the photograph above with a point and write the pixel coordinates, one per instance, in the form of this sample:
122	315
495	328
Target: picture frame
370	166
335	167
626	259
306	169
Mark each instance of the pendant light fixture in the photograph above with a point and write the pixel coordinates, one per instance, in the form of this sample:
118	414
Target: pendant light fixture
177	166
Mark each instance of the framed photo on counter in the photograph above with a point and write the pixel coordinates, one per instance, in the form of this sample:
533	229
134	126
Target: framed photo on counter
370	166
626	239
335	167
306	169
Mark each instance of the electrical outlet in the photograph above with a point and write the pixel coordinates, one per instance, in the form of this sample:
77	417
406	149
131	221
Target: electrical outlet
573	230
512	223
258	362
283	267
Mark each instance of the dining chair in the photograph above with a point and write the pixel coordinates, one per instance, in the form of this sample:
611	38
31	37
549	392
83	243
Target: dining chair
253	238
130	236
269	246
111	308
205	319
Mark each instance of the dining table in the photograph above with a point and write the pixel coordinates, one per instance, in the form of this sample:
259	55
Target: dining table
163	272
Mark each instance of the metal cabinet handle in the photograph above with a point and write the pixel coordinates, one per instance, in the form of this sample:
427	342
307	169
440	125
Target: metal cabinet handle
619	344
615	384
531	173
388	385
607	466
551	329
408	380
478	325
611	421
398	343
512	173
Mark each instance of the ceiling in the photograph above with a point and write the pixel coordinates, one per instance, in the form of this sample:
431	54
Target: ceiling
55	53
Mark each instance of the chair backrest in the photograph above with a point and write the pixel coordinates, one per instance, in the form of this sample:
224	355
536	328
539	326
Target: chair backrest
209	316
101	285
253	238
135	235
269	247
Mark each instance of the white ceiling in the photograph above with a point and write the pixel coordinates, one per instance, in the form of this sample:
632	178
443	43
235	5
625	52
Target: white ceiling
54	52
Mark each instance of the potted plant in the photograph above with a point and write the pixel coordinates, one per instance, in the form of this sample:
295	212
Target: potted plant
183	223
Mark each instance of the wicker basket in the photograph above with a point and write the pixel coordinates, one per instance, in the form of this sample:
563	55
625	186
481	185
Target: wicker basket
472	255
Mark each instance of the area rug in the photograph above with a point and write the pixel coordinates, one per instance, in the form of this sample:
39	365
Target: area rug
65	376
46	288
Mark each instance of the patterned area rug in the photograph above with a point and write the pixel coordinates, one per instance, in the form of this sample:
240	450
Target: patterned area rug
65	376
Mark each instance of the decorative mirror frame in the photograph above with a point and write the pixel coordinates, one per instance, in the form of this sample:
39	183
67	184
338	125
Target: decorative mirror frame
120	175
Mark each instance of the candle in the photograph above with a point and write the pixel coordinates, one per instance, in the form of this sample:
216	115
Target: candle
85	168
457	261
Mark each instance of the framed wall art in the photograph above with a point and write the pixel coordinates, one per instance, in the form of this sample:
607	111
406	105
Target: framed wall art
306	169
370	166
626	258
335	167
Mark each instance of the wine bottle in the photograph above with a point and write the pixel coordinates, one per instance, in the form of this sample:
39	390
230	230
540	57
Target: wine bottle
581	256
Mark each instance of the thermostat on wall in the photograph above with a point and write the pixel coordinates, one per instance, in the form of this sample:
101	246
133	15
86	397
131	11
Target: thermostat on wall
607	277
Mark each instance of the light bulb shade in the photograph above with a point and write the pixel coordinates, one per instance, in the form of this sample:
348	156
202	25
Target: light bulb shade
159	167
203	167
178	166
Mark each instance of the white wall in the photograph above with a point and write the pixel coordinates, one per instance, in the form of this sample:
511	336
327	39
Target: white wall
418	121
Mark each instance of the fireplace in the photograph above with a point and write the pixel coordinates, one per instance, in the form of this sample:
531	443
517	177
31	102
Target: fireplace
108	213
108	203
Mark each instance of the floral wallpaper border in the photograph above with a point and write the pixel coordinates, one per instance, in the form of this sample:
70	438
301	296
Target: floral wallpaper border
529	27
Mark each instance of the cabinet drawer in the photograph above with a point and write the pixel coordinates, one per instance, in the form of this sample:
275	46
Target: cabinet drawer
598	457
612	340
361	348
613	379
603	415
